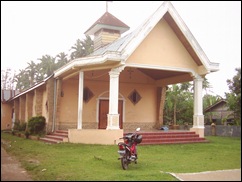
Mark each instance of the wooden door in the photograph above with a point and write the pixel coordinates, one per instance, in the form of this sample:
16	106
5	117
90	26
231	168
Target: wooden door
103	111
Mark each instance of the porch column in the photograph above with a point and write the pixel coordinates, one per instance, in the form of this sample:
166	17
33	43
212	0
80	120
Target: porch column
113	116
80	100
198	117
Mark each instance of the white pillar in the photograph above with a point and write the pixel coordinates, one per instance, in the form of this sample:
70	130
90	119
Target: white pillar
80	100
198	117
113	116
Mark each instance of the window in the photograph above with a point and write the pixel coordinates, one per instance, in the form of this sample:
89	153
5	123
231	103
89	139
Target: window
134	97
87	94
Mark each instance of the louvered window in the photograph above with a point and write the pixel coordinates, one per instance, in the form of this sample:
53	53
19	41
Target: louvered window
87	95
134	97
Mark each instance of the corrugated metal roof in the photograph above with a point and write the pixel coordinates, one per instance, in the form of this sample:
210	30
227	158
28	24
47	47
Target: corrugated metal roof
114	46
31	88
219	102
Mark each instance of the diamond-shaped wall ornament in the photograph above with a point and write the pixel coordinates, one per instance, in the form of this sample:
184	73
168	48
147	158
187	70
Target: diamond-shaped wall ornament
134	97
87	94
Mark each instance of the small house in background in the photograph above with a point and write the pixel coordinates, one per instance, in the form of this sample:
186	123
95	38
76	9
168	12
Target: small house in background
219	113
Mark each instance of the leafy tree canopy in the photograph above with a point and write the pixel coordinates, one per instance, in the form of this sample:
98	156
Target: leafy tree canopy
234	97
36	72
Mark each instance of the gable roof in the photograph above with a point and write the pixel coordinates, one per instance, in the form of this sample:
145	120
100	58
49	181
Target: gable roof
127	44
215	105
123	47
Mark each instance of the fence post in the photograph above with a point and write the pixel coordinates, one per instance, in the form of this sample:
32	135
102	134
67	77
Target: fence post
213	128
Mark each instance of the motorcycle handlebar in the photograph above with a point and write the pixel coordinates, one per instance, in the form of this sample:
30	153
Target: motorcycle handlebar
133	134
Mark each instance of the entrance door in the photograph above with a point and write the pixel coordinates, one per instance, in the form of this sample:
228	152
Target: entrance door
103	111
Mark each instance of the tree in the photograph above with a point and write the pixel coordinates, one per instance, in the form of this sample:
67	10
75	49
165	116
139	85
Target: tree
87	45
186	86
78	50
206	85
82	48
209	100
22	80
179	102
7	81
29	76
47	65
39	75
31	71
61	59
178	105
234	97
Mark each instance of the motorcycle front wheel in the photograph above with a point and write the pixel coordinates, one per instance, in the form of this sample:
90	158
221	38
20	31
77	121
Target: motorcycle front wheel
124	162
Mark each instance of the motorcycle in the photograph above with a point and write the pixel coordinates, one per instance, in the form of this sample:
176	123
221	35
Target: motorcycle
127	149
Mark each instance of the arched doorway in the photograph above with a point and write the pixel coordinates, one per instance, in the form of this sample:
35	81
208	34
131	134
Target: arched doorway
103	109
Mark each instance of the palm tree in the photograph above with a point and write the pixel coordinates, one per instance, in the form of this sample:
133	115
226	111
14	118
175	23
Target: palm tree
171	102
176	92
31	71
186	86
22	80
206	85
39	75
82	48
61	59
47	65
178	100
87	45
78	50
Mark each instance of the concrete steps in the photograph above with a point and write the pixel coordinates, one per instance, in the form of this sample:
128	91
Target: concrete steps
57	137
157	137
170	137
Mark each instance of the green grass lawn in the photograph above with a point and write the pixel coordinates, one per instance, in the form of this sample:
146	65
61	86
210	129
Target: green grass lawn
82	162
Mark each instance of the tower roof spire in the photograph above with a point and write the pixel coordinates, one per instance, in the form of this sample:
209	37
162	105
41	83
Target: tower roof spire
107	5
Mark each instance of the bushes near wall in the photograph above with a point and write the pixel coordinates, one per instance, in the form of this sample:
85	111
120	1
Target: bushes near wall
36	125
20	126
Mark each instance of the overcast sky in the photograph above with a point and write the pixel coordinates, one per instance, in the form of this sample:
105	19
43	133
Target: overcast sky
31	29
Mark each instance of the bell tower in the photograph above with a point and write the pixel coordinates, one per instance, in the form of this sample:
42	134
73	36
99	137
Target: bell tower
106	29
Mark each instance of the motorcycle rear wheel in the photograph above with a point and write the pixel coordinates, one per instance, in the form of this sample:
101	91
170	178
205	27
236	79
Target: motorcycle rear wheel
124	162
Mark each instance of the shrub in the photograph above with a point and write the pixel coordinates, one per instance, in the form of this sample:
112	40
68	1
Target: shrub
27	134
16	125
13	132
20	126
36	124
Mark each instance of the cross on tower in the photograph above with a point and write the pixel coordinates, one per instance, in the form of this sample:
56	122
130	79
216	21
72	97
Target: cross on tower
107	5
